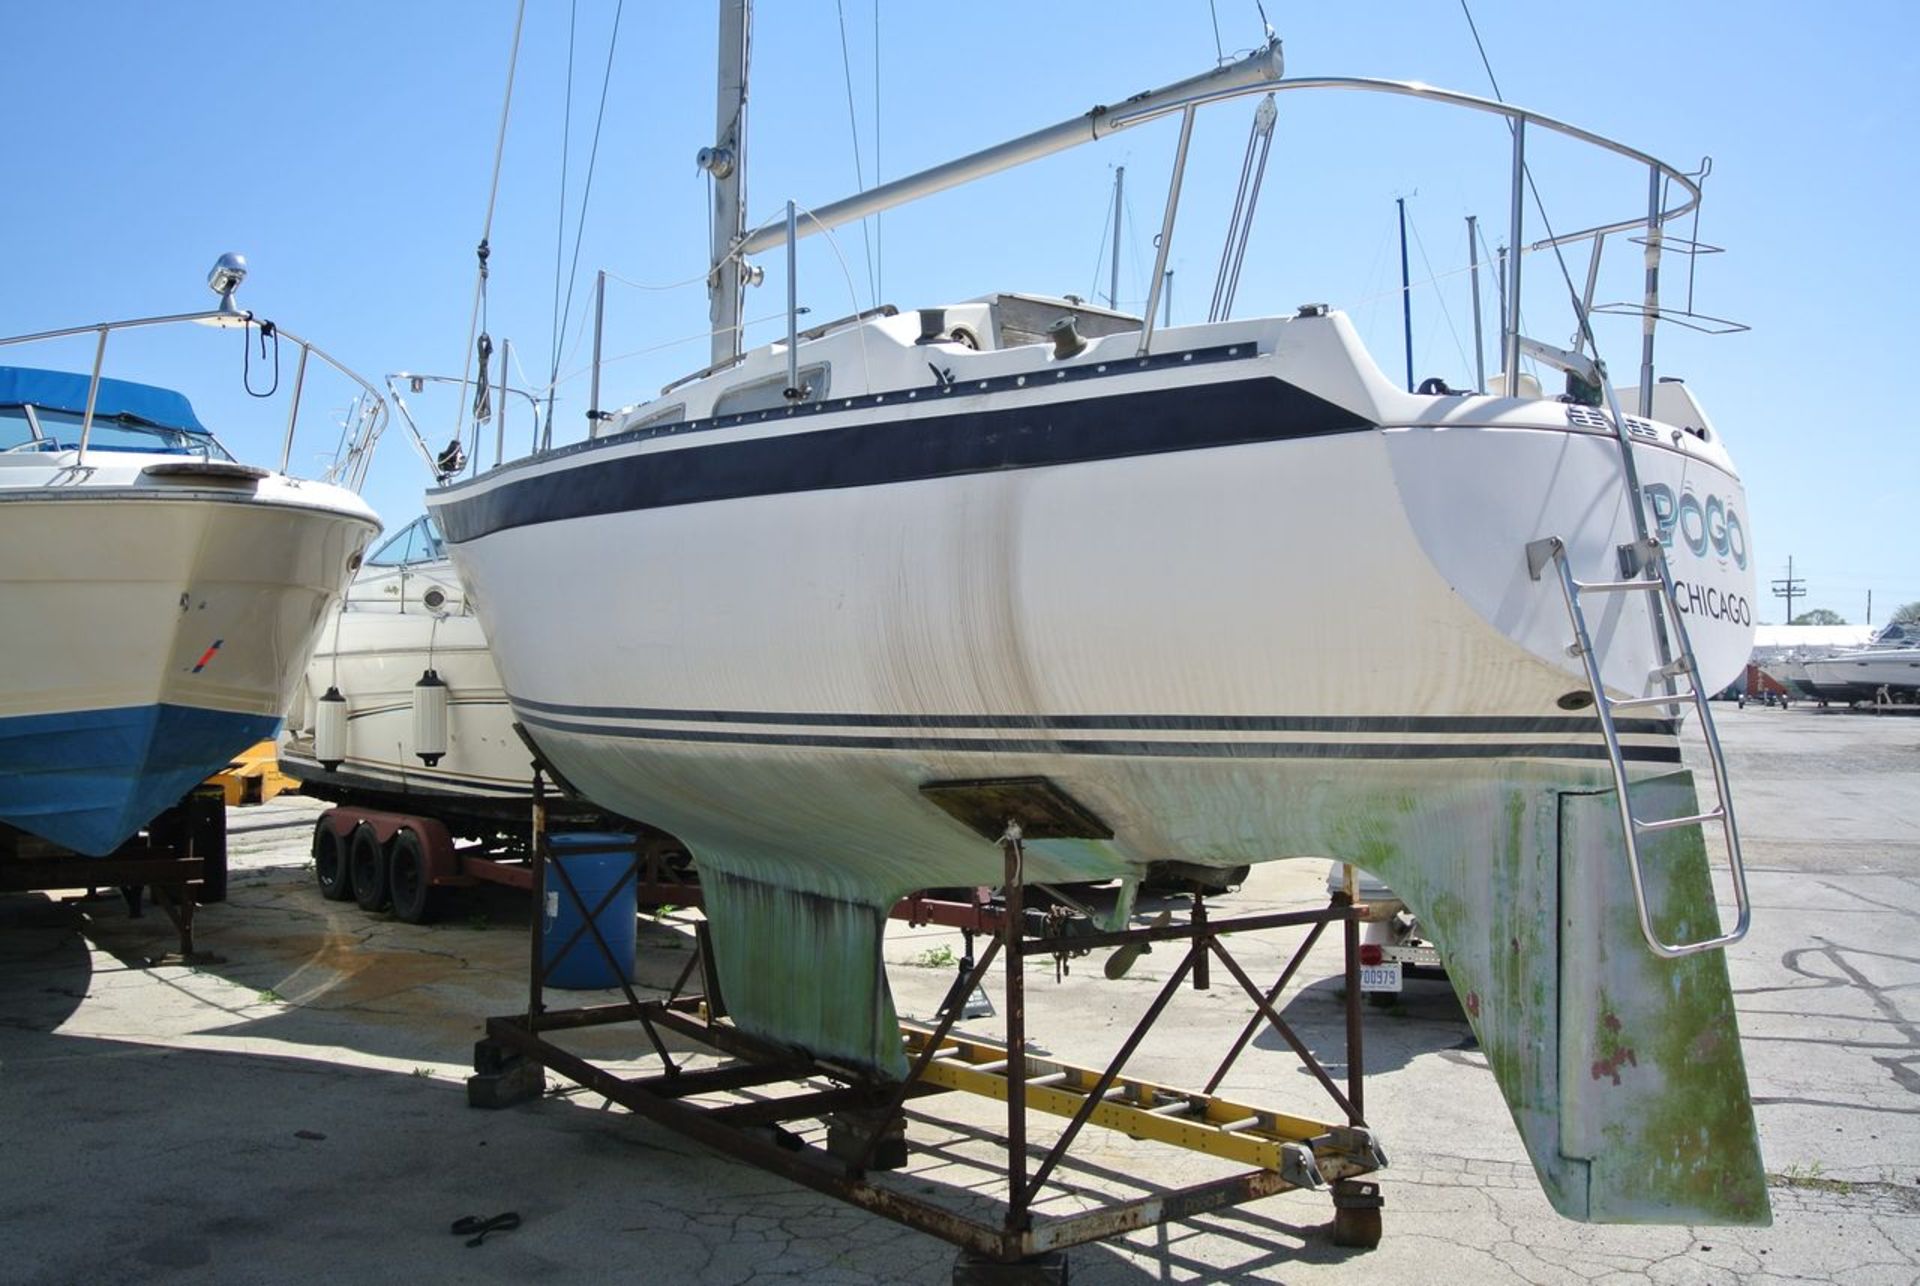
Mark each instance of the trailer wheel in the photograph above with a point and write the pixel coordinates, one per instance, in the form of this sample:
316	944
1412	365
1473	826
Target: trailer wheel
331	869
368	863
410	878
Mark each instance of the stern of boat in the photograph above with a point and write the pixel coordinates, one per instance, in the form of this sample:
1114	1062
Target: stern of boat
1481	484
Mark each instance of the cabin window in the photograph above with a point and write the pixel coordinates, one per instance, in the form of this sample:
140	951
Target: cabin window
769	394
16	431
60	430
417	542
674	414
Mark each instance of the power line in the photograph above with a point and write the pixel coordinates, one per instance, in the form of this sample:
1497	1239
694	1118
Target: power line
560	214
1438	294
853	127
586	192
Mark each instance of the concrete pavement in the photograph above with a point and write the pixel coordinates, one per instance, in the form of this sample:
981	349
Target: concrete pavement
296	1111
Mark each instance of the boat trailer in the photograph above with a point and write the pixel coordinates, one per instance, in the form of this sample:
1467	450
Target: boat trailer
179	858
866	1117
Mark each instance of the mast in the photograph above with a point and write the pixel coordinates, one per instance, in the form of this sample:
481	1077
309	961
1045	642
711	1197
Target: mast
1500	285
726	163
1406	290
1113	283
1479	344
1510	326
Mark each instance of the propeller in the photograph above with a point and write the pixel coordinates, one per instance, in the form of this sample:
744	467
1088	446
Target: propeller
1122	960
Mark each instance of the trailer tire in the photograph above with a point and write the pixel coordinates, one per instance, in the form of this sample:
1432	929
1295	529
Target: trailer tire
368	862
331	869
410	878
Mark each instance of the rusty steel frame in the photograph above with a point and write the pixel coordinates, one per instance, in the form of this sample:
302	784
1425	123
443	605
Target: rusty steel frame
168	865
540	967
730	1128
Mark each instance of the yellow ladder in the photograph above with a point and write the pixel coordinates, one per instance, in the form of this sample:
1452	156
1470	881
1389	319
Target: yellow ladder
1306	1153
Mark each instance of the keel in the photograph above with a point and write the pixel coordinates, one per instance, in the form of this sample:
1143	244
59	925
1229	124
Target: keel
1622	1070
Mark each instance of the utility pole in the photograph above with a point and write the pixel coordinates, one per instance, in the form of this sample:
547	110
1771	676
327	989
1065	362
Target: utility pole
1789	589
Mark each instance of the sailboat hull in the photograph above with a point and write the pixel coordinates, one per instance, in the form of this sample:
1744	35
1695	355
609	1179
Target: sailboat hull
1196	645
1229	626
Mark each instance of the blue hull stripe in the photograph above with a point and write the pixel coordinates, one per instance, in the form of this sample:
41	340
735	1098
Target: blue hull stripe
88	780
882	451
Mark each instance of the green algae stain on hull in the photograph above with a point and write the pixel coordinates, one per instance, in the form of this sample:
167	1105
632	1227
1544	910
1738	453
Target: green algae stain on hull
804	969
1622	1071
1656	1095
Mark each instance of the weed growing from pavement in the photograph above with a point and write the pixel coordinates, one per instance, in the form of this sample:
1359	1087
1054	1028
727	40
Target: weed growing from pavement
934	957
1811	1175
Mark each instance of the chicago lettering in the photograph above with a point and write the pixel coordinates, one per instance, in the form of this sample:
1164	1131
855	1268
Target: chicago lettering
1705	600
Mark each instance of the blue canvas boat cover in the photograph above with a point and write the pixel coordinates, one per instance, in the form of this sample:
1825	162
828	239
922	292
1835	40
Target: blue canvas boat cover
119	399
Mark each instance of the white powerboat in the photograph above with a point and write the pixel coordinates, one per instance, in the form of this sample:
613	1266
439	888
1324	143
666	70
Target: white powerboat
1782	652
422	722
1886	670
158	600
859	599
406	616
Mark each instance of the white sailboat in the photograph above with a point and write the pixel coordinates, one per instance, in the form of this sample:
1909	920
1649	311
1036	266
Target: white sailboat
158	599
1222	593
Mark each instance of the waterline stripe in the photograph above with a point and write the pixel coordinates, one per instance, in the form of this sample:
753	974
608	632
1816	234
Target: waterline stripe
1362	724
1130	749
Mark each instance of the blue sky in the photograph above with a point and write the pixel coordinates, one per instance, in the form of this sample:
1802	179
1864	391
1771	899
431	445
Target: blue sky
346	149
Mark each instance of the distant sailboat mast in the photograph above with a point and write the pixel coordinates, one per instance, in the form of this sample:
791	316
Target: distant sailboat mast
1479	344
1406	291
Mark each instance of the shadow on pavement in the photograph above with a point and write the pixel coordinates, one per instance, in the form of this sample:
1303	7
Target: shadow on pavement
46	968
245	1165
1425	1019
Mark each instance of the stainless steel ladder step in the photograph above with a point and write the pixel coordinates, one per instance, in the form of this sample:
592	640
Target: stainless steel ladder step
1616	586
1675	823
1637	703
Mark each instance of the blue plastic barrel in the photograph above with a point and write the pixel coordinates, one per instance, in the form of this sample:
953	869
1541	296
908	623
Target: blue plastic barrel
595	861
